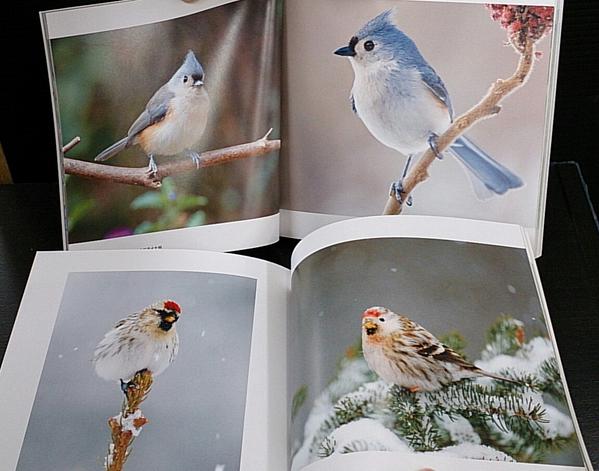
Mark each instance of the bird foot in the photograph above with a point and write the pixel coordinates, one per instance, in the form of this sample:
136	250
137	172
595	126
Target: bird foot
396	190
125	385
195	157
152	167
414	389
432	143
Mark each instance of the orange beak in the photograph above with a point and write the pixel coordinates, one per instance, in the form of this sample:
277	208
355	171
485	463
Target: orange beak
369	327
170	319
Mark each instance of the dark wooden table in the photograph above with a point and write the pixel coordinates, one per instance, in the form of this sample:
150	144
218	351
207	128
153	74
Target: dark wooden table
569	267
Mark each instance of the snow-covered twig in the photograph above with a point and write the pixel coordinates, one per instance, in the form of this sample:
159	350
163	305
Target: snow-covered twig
127	425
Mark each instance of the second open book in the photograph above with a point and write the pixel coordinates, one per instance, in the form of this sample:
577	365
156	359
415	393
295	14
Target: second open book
370	91
409	343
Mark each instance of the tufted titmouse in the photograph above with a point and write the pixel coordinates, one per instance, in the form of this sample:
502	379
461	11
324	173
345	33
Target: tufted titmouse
405	105
174	118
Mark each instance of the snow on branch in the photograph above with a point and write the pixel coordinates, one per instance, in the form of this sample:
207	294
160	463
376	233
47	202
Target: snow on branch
127	425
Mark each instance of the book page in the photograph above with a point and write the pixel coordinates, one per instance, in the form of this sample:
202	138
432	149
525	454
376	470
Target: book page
167	122
355	115
208	327
424	343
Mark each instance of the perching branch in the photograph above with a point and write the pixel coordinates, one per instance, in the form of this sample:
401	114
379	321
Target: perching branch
128	424
139	176
487	107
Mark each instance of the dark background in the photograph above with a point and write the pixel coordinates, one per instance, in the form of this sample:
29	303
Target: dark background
29	210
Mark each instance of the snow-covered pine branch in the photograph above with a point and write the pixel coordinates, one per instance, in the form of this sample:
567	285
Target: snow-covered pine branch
480	419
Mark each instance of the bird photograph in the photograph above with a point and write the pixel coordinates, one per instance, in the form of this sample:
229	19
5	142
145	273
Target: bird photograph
175	137
137	376
174	119
423	347
404	353
418	108
405	105
145	340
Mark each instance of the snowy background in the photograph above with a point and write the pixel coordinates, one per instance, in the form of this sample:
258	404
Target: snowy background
443	285
196	406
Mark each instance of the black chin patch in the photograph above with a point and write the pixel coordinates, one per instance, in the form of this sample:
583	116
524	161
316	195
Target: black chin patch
166	326
371	331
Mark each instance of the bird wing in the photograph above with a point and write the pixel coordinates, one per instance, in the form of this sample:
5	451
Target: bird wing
437	87
441	352
420	341
155	111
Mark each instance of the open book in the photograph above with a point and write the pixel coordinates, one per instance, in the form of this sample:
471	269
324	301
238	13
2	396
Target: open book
411	343
168	116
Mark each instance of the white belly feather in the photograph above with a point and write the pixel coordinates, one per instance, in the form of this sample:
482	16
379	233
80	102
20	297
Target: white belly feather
401	116
183	127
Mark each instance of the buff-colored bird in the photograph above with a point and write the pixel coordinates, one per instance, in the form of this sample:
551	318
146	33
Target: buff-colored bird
145	340
404	353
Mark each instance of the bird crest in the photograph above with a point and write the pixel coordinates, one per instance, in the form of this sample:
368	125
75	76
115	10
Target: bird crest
191	66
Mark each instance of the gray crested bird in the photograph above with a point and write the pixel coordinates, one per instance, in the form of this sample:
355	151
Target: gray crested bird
174	119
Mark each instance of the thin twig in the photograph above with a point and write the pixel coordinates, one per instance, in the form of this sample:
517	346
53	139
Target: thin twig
487	107
140	176
72	143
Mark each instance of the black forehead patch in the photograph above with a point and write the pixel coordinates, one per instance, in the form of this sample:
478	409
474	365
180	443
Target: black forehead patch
352	42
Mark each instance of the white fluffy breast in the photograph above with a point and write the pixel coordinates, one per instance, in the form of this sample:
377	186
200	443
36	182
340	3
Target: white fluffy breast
401	114
183	126
119	358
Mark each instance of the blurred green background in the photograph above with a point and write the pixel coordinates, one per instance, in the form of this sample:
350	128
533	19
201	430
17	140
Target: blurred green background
104	81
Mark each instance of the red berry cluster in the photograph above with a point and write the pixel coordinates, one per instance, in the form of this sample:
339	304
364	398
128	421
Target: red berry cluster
522	22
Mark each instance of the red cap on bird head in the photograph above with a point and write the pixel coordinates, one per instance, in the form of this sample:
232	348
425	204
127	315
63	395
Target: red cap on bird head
373	312
172	306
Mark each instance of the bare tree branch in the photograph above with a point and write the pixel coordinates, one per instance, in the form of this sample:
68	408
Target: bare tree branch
487	107
140	176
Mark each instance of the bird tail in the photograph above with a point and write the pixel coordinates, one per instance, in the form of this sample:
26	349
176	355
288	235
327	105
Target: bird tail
488	176
112	150
498	377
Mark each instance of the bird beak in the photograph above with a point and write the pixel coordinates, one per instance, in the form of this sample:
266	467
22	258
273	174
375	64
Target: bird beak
345	51
370	327
198	83
170	319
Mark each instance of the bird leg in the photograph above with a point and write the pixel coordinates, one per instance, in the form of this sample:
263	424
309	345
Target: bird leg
152	167
194	156
397	187
432	143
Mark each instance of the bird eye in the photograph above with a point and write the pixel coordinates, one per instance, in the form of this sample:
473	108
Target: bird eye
381	319
368	45
185	78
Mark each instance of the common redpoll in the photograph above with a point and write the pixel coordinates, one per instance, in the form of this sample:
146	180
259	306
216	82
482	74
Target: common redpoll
404	353
146	340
